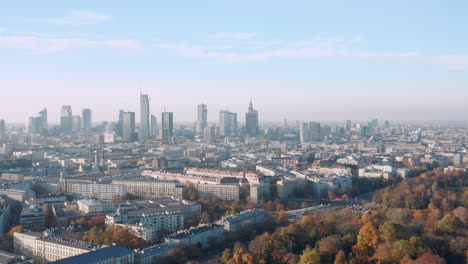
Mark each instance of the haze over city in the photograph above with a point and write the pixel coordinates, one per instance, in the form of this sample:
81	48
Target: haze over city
305	60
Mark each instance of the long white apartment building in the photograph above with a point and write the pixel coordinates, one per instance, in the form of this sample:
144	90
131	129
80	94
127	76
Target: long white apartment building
229	192
99	191
151	188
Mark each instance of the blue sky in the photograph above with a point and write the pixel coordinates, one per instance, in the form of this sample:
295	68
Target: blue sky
301	60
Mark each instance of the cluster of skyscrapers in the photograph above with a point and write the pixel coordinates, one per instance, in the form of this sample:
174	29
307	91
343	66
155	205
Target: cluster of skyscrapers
126	128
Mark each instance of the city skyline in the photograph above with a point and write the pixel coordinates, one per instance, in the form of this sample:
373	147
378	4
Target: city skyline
303	61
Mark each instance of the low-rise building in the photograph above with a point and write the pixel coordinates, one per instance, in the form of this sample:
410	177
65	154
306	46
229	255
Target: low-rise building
32	216
105	255
228	192
206	235
236	222
89	206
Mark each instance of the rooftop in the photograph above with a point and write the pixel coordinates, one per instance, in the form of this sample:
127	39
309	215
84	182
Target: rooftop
97	256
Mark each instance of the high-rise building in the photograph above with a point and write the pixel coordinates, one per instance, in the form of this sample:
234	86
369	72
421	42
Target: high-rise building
314	130
227	123
202	121
167	127
154	125
348	125
2	130
77	123
119	125
387	124
87	118
66	119
128	126
144	117
304	132
44	122
251	121
209	135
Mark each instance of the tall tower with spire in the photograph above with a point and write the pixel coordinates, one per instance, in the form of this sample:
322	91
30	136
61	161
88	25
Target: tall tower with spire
144	116
251	121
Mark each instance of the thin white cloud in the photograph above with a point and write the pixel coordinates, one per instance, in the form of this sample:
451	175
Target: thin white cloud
235	35
48	44
79	17
319	47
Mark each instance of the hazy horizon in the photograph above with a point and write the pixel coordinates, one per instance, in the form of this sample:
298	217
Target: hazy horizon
302	60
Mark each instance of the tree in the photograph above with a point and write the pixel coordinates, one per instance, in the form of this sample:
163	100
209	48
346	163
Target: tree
310	256
282	218
340	258
391	231
205	218
227	255
449	223
14	229
330	245
368	240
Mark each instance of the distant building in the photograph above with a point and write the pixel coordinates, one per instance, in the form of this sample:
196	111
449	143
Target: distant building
99	191
237	222
304	134
167	123
87	121
144	117
77	123
106	255
150	188
251	121
228	192
259	192
209	135
66	119
43	248
154	125
314	131
227	123
128	127
2	130
206	235
202	121
348	125
89	206
32	216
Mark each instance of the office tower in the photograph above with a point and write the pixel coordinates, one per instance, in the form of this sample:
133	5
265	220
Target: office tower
227	123
365	131
77	123
66	119
314	130
209	135
202	121
31	125
154	125
304	132
251	121
119	125
144	117
387	124
86	118
167	127
128	125
348	125
2	130
44	131
374	123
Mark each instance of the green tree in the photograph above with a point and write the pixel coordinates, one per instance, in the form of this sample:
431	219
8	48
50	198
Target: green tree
391	231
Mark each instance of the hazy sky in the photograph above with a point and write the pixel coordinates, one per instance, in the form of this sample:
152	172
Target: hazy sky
301	60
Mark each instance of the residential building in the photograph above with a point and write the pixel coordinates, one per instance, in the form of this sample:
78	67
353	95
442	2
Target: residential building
229	192
99	191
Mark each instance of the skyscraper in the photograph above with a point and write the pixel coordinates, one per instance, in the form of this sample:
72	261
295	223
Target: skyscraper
314	130
209	135
304	132
77	123
154	125
119	124
202	121
128	126
44	122
86	118
227	123
167	127
2	130
348	125
251	121
144	117
66	119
